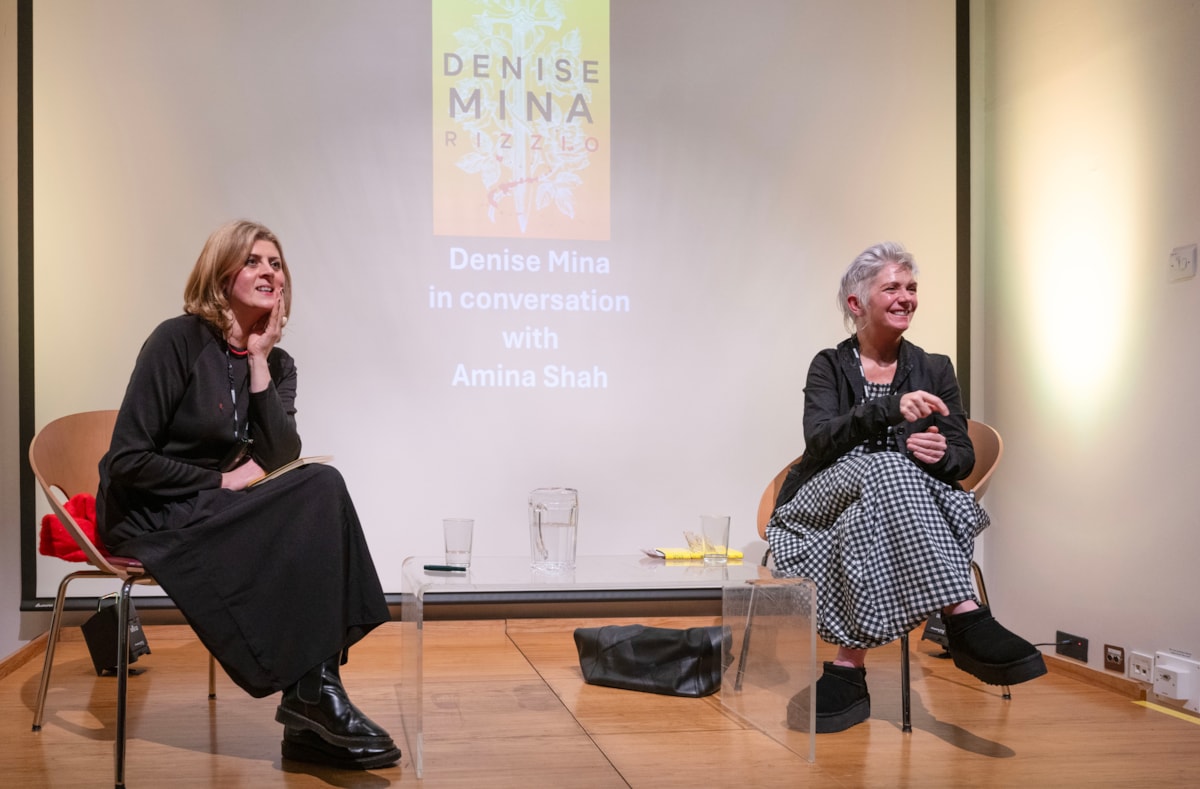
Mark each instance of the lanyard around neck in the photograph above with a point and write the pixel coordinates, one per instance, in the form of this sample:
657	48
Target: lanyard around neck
863	372
239	433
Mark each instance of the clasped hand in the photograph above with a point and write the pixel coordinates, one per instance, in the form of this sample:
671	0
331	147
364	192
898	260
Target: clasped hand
928	446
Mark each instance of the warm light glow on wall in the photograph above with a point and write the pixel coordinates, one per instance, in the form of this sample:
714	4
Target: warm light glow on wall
1080	197
1081	272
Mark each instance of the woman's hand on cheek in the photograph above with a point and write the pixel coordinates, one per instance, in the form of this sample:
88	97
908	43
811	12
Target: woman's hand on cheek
268	331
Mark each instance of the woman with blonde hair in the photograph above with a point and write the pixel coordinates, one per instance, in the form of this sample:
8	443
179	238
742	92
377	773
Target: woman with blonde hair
276	579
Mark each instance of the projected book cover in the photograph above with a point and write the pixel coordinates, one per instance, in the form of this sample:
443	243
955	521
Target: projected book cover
521	118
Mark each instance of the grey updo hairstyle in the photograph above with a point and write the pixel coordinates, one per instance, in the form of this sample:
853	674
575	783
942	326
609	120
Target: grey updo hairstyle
859	274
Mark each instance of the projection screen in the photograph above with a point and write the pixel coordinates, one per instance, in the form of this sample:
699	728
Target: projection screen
588	243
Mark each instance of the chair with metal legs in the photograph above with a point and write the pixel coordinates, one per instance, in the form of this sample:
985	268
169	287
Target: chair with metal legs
989	447
65	457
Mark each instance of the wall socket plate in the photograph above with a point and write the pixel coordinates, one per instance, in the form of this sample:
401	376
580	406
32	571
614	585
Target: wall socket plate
1114	658
1178	679
1071	646
1182	263
1141	667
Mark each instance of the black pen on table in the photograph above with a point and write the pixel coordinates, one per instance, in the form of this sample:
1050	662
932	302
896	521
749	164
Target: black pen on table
445	568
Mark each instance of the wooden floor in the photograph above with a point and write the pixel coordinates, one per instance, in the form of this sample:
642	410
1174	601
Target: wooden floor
505	707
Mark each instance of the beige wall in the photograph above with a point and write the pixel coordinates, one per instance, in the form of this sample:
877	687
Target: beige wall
1091	177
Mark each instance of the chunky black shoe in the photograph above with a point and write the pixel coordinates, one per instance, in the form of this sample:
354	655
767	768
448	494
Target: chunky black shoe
984	648
318	703
842	701
302	745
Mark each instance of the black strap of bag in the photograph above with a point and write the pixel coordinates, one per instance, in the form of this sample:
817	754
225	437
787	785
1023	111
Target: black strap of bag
673	662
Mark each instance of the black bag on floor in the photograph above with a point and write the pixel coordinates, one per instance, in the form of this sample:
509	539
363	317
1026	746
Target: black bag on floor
100	633
652	659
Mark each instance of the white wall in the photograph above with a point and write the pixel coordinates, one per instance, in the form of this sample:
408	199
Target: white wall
1092	176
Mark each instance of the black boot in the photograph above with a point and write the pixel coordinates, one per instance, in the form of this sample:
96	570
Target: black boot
842	701
318	703
302	745
984	648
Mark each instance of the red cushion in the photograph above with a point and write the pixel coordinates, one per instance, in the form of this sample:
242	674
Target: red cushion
55	540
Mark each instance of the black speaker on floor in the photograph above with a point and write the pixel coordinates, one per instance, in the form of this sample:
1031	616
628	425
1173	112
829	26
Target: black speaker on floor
100	633
935	630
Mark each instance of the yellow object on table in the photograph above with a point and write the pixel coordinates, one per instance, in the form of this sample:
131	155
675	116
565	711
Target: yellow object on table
688	553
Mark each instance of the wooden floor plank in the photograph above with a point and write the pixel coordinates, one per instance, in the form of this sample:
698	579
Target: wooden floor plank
740	758
506	707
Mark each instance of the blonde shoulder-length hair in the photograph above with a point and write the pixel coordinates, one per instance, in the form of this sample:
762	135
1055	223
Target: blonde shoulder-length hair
225	252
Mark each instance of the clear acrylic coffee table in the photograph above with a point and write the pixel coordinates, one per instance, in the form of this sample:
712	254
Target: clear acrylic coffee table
510	581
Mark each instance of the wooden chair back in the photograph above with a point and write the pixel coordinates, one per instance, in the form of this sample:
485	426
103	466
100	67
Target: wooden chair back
65	457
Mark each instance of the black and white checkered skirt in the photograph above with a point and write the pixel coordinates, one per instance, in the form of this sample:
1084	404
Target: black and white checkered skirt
886	544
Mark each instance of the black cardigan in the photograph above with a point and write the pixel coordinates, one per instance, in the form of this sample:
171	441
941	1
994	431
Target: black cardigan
175	423
837	417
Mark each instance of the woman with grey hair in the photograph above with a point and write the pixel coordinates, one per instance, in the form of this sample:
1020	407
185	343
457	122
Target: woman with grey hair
873	512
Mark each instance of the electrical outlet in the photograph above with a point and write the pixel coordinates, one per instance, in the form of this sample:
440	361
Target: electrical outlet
1071	646
1166	682
1141	667
1178	679
1182	263
1114	658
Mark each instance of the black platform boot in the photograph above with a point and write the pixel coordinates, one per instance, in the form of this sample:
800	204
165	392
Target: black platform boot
842	701
318	703
302	745
984	648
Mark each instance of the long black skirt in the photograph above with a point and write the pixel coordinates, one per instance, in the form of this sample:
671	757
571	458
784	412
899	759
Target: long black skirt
274	580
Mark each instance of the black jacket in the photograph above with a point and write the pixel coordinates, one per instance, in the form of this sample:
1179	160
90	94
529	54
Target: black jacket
837	417
175	424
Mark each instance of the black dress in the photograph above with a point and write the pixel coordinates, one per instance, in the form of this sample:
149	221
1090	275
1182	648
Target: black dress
275	579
